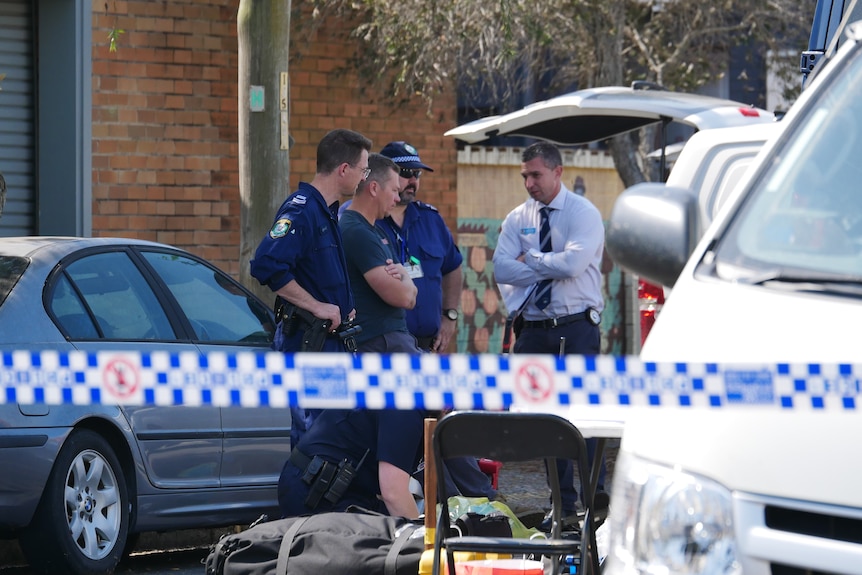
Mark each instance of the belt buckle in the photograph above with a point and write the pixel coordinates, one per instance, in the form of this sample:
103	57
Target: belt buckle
554	322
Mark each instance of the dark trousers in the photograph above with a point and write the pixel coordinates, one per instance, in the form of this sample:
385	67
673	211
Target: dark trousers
583	338
463	477
566	474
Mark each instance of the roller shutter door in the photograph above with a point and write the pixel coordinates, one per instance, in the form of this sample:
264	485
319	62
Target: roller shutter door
17	117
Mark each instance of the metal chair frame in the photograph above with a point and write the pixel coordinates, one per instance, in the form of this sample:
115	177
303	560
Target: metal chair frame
509	436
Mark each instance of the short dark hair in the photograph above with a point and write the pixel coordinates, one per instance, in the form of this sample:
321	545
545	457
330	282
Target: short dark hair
380	167
549	153
340	146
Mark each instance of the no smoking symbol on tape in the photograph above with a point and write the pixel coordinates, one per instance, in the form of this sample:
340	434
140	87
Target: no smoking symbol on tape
534	382
121	378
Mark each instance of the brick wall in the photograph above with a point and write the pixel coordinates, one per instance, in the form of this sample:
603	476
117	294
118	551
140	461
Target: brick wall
327	93
165	148
165	145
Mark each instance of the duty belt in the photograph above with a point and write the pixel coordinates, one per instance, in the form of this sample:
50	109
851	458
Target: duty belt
326	480
556	321
299	459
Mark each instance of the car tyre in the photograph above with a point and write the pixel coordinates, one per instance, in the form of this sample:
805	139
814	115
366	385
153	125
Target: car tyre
82	522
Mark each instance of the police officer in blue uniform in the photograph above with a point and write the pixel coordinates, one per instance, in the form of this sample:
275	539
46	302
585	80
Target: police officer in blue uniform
301	258
354	457
427	250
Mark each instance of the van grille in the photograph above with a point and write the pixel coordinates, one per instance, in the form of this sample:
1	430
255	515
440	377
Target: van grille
787	570
814	524
811	524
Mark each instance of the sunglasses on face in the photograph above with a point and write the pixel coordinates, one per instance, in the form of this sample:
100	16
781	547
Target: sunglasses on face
407	174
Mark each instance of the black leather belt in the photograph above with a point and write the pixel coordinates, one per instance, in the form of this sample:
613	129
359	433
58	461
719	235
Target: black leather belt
556	321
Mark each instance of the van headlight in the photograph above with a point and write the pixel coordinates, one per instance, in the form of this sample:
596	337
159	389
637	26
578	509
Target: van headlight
666	521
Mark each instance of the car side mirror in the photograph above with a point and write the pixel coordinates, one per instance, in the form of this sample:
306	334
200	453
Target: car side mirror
653	230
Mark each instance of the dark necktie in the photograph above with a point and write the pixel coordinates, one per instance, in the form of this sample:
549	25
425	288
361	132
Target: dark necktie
543	291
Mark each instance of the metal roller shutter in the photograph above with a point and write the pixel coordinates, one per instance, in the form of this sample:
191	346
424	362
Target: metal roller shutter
17	117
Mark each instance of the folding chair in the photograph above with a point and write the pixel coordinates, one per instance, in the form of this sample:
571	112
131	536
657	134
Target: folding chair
510	436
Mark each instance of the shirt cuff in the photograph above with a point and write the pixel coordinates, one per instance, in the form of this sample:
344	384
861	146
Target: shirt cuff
534	258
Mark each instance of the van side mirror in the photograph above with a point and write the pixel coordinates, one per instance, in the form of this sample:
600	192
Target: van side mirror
653	230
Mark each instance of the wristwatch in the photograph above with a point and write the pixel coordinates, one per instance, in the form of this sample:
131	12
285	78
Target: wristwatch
451	314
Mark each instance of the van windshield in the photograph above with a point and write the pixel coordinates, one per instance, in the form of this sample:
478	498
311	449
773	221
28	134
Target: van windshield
803	219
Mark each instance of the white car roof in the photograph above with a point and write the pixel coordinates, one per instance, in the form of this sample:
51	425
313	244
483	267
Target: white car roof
598	113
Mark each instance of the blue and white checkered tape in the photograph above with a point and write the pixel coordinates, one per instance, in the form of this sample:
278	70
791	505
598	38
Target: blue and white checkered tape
402	381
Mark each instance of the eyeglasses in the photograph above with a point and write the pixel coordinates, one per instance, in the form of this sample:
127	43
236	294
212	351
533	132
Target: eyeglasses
407	174
365	172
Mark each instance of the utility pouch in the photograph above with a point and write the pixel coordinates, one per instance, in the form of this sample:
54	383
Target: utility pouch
286	314
321	484
313	469
314	337
518	324
514	323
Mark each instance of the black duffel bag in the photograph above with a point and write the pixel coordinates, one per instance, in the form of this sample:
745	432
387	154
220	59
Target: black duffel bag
336	543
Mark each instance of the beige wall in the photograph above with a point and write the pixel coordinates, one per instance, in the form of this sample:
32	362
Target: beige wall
490	184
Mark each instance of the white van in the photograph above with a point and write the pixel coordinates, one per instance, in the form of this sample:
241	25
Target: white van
776	279
711	164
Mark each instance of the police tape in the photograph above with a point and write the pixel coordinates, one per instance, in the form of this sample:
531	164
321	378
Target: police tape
401	381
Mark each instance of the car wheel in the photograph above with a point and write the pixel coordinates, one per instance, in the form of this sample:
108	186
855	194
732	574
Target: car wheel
82	522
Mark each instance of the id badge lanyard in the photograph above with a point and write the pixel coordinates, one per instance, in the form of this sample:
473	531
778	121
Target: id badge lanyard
411	263
402	244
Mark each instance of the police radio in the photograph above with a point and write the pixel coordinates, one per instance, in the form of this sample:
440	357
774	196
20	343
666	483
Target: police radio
343	477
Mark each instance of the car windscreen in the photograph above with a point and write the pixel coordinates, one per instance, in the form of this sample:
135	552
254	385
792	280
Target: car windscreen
11	269
802	220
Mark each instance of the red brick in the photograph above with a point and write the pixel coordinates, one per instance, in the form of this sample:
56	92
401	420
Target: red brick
165	109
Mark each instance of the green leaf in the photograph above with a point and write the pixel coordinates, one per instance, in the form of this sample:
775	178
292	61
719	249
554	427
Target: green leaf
113	35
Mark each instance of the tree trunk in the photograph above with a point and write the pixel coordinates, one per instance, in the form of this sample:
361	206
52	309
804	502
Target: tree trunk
263	32
611	20
624	151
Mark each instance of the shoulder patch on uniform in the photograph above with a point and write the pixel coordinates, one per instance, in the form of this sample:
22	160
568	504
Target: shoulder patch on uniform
280	228
427	206
298	199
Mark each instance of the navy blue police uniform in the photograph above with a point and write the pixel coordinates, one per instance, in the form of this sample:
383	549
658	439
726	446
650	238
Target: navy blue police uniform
362	438
305	244
424	242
